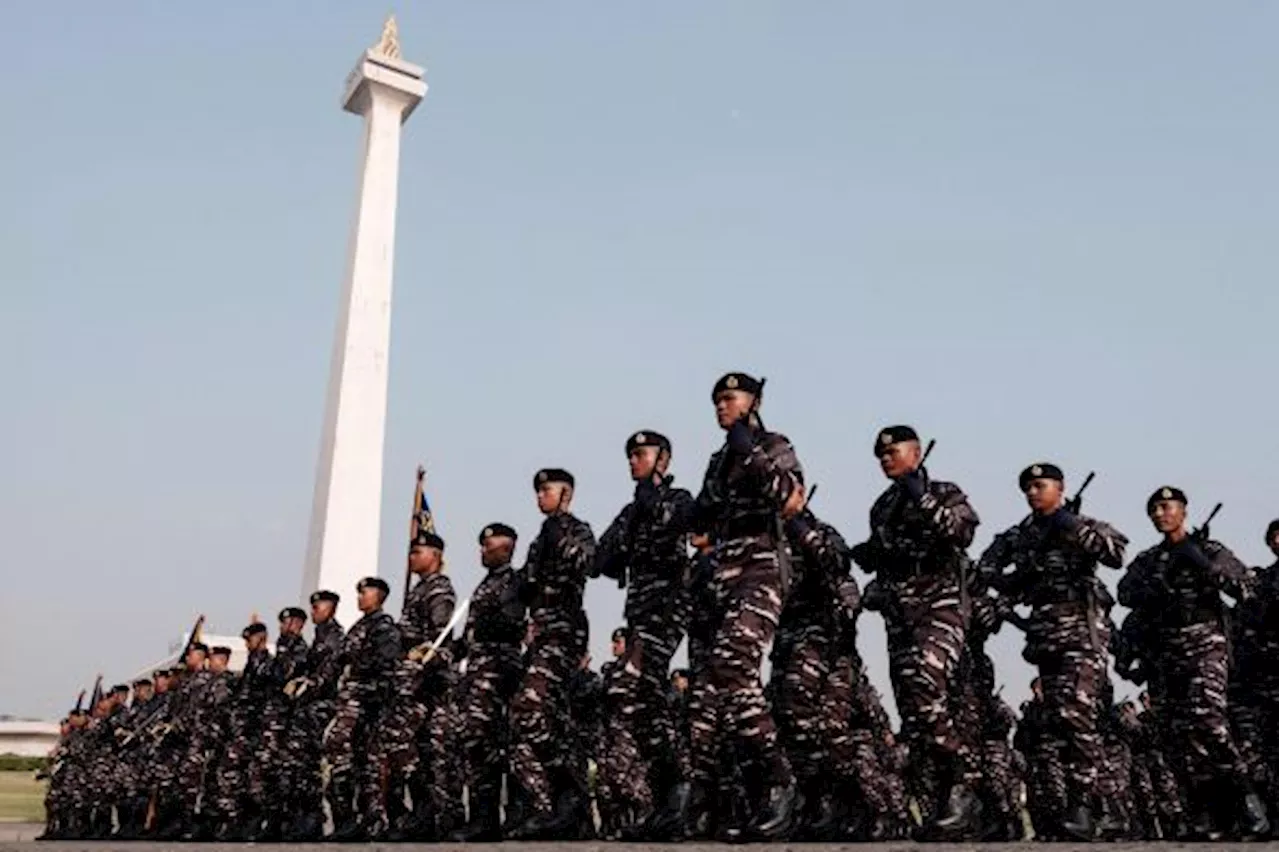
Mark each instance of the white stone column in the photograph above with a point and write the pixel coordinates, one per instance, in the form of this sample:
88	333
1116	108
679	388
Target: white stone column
346	513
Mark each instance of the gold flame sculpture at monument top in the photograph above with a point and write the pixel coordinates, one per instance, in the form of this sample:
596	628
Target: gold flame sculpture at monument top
389	43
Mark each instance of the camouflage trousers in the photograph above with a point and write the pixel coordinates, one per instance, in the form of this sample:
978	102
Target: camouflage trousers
1164	785
924	646
232	769
355	782
800	677
1142	794
999	784
1046	784
537	715
415	743
191	773
1114	773
305	745
1253	720
641	732
493	671
275	771
1193	668
747	582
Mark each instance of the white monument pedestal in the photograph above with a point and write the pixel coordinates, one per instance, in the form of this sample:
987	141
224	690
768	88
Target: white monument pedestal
346	514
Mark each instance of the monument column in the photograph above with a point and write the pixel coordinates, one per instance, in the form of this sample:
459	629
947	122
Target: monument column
346	513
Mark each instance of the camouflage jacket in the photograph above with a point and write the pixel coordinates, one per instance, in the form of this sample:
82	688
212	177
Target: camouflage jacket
427	610
1051	567
290	661
1255	638
496	616
918	539
647	548
1171	592
742	494
371	650
324	660
555	571
819	597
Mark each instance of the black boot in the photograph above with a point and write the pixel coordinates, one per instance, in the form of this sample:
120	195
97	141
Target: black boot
1077	823
1252	819
777	816
307	826
484	824
1113	823
346	828
959	814
668	822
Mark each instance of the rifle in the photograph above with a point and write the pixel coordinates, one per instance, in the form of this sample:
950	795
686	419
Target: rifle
1073	505
413	524
192	638
96	695
1201	533
79	702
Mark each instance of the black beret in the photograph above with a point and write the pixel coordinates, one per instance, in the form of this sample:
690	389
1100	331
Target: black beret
497	529
1039	470
199	646
220	651
648	438
120	688
79	711
162	673
373	583
1165	492
552	474
736	381
619	633
324	595
142	681
890	435
684	673
253	629
1272	529
425	538
292	612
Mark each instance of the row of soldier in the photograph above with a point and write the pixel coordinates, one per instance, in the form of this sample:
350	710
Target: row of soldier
403	723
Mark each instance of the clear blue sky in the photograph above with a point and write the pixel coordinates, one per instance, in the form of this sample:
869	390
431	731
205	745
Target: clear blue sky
1032	230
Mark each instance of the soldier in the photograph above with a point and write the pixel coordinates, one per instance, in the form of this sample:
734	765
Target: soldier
645	549
808	641
920	529
231	733
584	699
552	583
1176	585
181	786
1056	553
131	808
1253	695
1000	777
422	700
313	697
612	766
752	485
1046	779
370	653
491	645
274	770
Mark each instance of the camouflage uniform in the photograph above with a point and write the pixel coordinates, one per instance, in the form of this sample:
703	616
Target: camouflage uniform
1253	689
1000	782
370	653
1046	776
1066	636
584	699
1181	600
876	762
741	496
313	711
491	641
196	723
234	709
806	647
276	770
917	552
645	547
554	577
422	693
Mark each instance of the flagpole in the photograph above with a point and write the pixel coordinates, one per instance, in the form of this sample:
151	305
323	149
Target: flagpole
413	525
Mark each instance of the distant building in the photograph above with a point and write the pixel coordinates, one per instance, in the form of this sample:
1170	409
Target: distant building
28	739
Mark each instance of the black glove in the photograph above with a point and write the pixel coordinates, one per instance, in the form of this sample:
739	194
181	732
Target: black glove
647	494
1064	520
798	526
913	483
1187	549
740	438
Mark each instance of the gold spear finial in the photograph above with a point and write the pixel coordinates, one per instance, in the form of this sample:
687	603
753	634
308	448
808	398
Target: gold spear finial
389	44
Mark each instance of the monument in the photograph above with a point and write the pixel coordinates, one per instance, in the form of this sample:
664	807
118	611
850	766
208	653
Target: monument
346	514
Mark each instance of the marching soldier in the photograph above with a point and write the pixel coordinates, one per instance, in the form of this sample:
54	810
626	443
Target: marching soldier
491	645
1253	693
645	548
554	577
1176	585
1056	553
752	485
920	529
274	769
313	696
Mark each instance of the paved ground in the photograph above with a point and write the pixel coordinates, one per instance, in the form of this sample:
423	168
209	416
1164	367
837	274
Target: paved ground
18	836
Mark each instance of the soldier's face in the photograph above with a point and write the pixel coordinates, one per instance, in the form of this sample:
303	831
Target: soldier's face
1044	495
680	683
550	497
162	685
143	693
291	626
1273	541
496	551
425	560
619	646
1168	516
321	611
252	642
900	458
195	661
368	599
218	663
642	461
731	406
